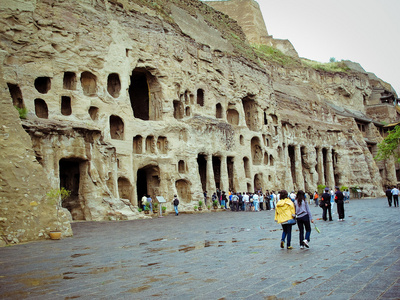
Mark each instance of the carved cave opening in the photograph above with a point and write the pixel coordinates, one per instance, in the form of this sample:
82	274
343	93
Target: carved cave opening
94	113
181	167
292	161
336	172
113	85
41	109
187	111
241	140
256	151
150	144
124	188
325	164
200	97
246	165
116	128
138	144
265	118
43	84
183	190
251	113
230	165
271	160
144	94
66	108
148	182
16	95
258	182
69	81
216	163
89	83
70	178
218	111
232	117
162	145
202	165
178	109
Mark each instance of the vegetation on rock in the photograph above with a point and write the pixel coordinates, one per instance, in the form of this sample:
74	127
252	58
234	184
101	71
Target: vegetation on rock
389	146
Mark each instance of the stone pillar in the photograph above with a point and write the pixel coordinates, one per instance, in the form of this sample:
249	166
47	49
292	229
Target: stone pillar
224	175
320	166
210	176
330	176
299	180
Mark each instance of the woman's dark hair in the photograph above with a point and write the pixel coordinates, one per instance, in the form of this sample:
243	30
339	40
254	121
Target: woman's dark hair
300	197
283	194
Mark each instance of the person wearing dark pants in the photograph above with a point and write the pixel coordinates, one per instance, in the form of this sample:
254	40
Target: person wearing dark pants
339	199
304	216
325	203
284	214
388	193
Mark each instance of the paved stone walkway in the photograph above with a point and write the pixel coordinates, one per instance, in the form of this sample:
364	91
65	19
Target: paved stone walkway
230	255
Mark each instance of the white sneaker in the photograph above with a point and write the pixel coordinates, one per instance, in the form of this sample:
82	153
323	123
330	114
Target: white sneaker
301	247
305	242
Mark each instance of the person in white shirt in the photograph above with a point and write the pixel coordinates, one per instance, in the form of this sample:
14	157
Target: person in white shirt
246	200
395	194
255	201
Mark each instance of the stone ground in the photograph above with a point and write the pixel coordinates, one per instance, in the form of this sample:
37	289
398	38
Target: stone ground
229	255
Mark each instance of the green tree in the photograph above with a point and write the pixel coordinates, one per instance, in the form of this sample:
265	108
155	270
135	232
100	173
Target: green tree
389	145
332	60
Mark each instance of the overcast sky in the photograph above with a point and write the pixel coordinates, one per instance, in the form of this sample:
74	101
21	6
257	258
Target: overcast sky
363	31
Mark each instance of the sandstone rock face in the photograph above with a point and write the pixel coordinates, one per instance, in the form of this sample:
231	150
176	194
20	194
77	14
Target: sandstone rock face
126	99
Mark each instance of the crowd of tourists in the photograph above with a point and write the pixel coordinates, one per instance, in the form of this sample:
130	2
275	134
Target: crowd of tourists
289	208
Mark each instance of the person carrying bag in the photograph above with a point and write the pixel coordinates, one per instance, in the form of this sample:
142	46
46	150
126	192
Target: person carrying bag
284	215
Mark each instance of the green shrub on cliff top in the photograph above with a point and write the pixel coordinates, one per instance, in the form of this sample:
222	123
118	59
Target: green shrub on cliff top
333	66
273	54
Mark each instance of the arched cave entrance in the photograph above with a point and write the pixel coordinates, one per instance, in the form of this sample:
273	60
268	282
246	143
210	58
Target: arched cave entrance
41	109
70	178
232	116
148	182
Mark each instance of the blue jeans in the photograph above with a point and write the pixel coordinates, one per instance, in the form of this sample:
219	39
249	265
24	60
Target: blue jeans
176	209
287	233
271	204
223	203
256	205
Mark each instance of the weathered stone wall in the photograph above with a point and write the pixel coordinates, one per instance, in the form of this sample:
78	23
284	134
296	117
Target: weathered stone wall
125	100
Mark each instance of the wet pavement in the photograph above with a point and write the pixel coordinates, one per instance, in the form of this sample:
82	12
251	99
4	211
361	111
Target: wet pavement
225	255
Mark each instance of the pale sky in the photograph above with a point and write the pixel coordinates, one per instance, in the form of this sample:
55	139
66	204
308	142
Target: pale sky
363	31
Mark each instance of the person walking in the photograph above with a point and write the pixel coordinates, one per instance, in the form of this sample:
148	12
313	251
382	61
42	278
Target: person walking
388	193
303	217
150	203
316	198
395	194
284	213
235	202
339	199
255	201
325	204
176	203
223	200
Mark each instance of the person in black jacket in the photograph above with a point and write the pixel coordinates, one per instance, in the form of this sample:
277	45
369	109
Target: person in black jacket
325	203
388	193
339	199
176	203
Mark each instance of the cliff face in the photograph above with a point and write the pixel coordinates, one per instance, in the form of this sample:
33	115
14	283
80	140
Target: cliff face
126	98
